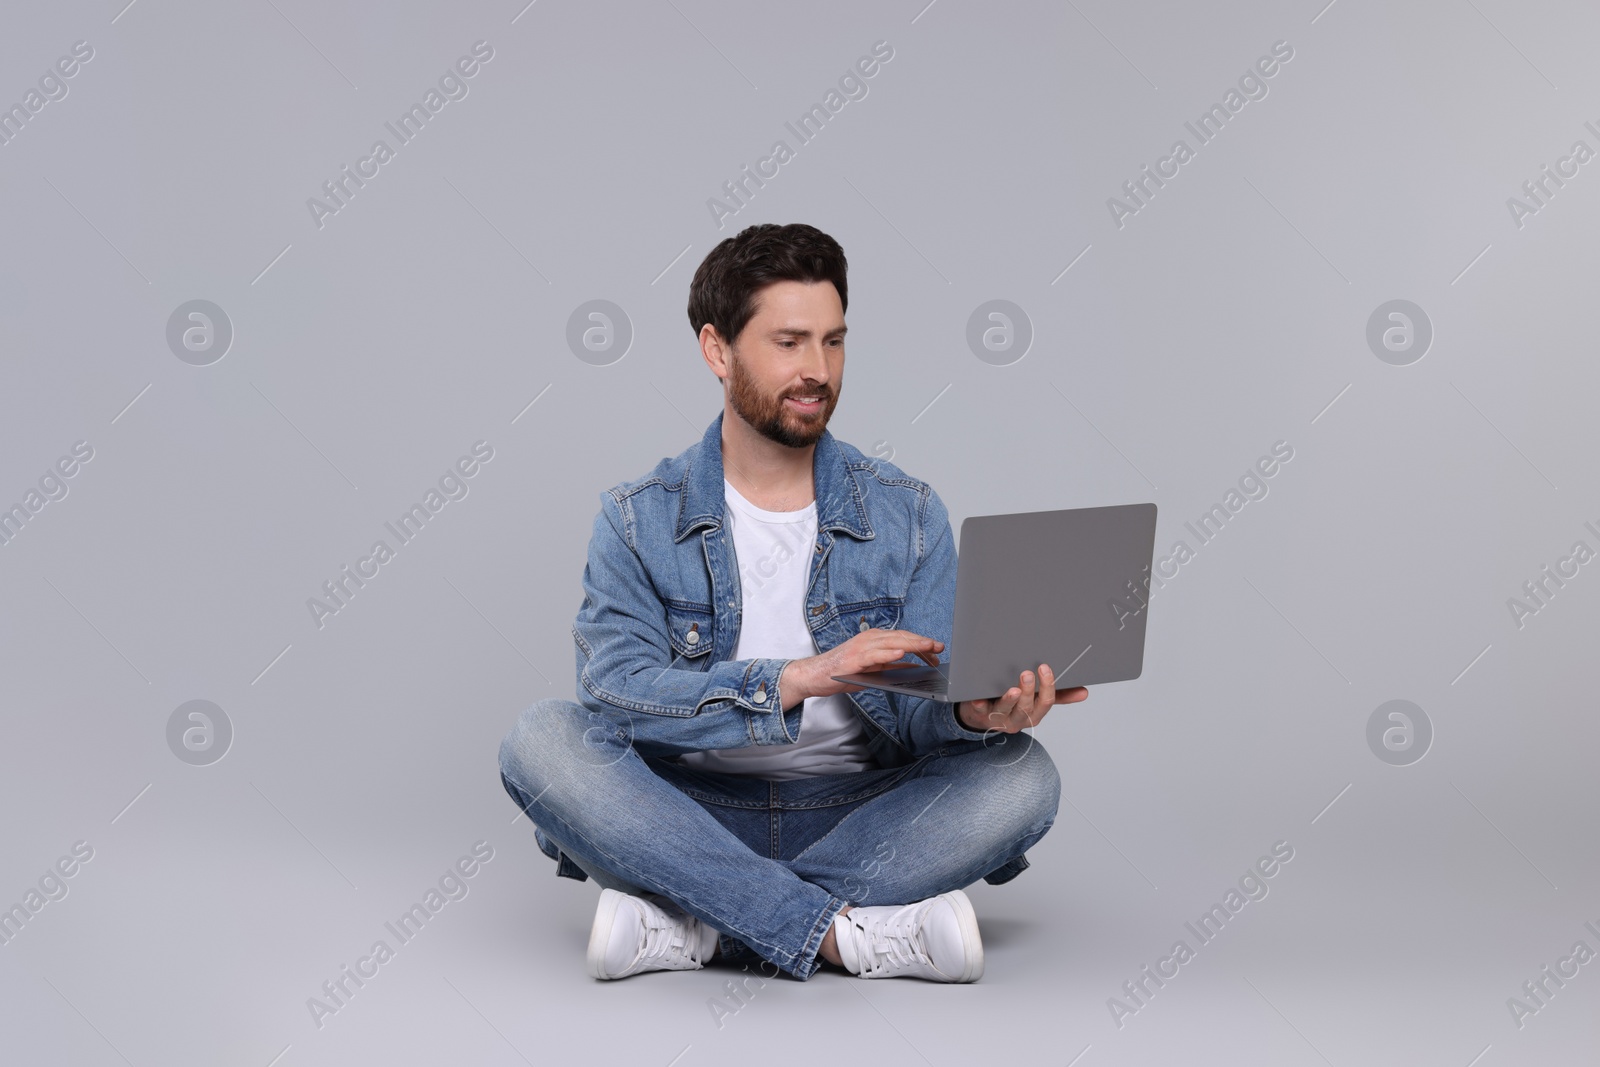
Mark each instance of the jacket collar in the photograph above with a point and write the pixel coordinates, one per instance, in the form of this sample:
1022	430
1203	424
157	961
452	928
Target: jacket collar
839	501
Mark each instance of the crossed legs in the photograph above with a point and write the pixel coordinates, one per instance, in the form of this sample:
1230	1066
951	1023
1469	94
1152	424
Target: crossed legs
952	818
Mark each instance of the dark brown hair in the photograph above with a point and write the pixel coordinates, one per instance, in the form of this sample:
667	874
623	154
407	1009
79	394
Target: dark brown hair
727	280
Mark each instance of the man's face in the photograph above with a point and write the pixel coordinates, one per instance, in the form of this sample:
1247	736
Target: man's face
792	347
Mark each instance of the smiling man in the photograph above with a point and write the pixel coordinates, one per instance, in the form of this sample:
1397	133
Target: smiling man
732	800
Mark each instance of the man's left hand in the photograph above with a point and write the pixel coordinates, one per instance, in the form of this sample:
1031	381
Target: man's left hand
1021	706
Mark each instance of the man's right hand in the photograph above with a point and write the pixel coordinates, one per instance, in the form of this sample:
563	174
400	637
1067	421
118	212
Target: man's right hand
869	650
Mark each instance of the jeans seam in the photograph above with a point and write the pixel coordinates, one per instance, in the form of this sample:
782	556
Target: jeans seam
774	822
918	767
756	805
889	782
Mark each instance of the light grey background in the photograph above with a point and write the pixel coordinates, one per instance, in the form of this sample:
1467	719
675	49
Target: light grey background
431	312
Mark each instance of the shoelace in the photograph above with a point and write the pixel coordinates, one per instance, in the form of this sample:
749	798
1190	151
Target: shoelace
670	938
893	941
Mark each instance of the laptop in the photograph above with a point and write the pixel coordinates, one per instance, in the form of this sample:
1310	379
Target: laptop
1067	588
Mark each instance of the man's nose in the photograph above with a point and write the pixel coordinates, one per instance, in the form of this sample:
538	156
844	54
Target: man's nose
815	370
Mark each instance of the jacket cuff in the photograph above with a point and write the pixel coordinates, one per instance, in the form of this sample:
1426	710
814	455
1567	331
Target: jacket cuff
759	696
958	730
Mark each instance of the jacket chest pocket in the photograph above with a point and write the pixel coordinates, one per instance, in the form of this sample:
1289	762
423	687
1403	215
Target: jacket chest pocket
880	614
690	631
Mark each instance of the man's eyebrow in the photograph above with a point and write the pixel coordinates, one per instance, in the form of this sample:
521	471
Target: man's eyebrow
800	331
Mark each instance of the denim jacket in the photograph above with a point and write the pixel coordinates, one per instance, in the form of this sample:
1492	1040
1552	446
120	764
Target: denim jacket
661	610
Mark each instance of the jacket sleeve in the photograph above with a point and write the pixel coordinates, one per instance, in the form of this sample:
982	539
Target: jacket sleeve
627	669
929	610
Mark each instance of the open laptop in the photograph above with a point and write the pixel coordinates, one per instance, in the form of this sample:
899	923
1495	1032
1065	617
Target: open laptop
1066	588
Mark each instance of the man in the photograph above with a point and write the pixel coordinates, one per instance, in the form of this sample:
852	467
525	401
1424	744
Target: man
731	798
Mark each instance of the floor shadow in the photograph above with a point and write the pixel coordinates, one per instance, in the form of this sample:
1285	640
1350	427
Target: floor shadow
1003	933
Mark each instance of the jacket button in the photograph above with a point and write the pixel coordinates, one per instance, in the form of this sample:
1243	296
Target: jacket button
864	627
819	609
761	695
692	637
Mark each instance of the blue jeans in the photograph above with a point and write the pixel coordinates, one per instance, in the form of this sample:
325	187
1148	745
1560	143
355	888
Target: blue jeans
770	863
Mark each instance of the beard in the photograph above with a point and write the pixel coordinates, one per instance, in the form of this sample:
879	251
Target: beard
771	417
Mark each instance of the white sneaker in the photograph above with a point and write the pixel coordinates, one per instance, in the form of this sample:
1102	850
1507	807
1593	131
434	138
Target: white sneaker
632	934
936	939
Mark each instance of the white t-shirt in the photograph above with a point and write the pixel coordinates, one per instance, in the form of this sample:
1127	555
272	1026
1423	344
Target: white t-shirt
774	550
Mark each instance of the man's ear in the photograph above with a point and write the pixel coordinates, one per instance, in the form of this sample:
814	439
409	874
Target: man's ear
714	350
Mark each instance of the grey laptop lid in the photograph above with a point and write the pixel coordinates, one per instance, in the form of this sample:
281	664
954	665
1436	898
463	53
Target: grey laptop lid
1068	588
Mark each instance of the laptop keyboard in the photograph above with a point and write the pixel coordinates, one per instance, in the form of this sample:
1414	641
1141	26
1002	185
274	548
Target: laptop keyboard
926	685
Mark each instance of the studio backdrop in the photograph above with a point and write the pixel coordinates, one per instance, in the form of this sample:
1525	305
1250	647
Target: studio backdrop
324	327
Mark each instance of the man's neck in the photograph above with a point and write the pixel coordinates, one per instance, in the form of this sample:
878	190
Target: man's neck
771	476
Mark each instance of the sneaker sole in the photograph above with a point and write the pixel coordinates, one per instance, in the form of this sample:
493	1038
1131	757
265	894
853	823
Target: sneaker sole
969	936
605	917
